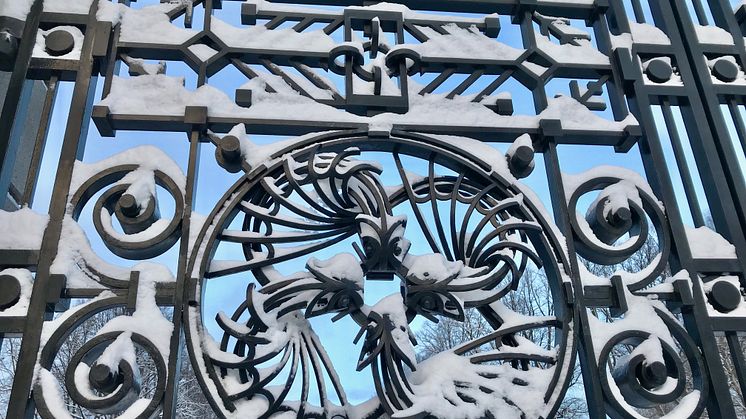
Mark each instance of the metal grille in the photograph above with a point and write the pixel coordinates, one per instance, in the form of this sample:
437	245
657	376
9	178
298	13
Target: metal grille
335	146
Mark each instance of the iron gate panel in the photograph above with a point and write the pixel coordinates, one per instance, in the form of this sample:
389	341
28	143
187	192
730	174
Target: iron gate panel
401	143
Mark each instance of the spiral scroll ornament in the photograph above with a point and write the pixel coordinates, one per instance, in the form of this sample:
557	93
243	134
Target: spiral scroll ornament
623	217
104	375
656	367
128	186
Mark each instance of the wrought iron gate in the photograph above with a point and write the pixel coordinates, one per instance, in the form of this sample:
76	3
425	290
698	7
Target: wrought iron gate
348	144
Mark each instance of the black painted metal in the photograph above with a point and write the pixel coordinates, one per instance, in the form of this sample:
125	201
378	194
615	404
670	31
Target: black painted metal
483	229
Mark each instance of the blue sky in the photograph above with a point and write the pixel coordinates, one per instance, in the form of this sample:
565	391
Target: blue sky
226	293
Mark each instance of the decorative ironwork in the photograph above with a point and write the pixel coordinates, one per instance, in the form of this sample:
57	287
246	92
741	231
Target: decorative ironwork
387	172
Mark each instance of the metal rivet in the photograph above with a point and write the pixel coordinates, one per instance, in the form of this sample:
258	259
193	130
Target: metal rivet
725	70
59	42
102	378
724	296
653	375
11	291
129	205
659	71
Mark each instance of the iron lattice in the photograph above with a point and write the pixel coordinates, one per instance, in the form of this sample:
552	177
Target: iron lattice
388	173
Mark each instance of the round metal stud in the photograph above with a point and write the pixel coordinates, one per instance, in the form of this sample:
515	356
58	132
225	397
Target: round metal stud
228	153
11	291
659	71
652	375
725	70
129	205
521	162
102	378
230	147
620	217
59	42
724	296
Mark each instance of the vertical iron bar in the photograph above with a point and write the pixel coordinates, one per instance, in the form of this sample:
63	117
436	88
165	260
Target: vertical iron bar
639	14
41	140
589	367
739	363
174	360
683	165
12	105
738	122
700	11
20	404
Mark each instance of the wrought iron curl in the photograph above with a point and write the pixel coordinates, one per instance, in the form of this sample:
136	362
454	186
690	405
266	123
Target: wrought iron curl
652	371
130	196
622	208
103	375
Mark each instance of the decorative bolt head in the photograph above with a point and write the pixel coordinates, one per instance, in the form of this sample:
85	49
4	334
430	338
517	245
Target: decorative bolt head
428	302
102	378
653	375
129	205
11	291
59	42
230	148
659	71
724	296
725	70
620	216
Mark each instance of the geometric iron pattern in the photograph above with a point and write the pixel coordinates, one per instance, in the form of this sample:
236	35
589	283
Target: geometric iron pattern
400	152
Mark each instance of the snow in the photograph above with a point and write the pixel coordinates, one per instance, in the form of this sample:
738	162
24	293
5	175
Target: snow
148	158
122	349
164	95
434	386
75	257
22	229
17	9
26	280
149	233
255	154
40	48
147	319
738	312
705	243
152	25
260	37
713	35
50	327
167	96
196	222
522	141
573	181
342	266
615	197
110	12
435	109
466	43
642	33
648	34
685	406
79	7
393	307
53	394
432	267
641	315
584	53
202	51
